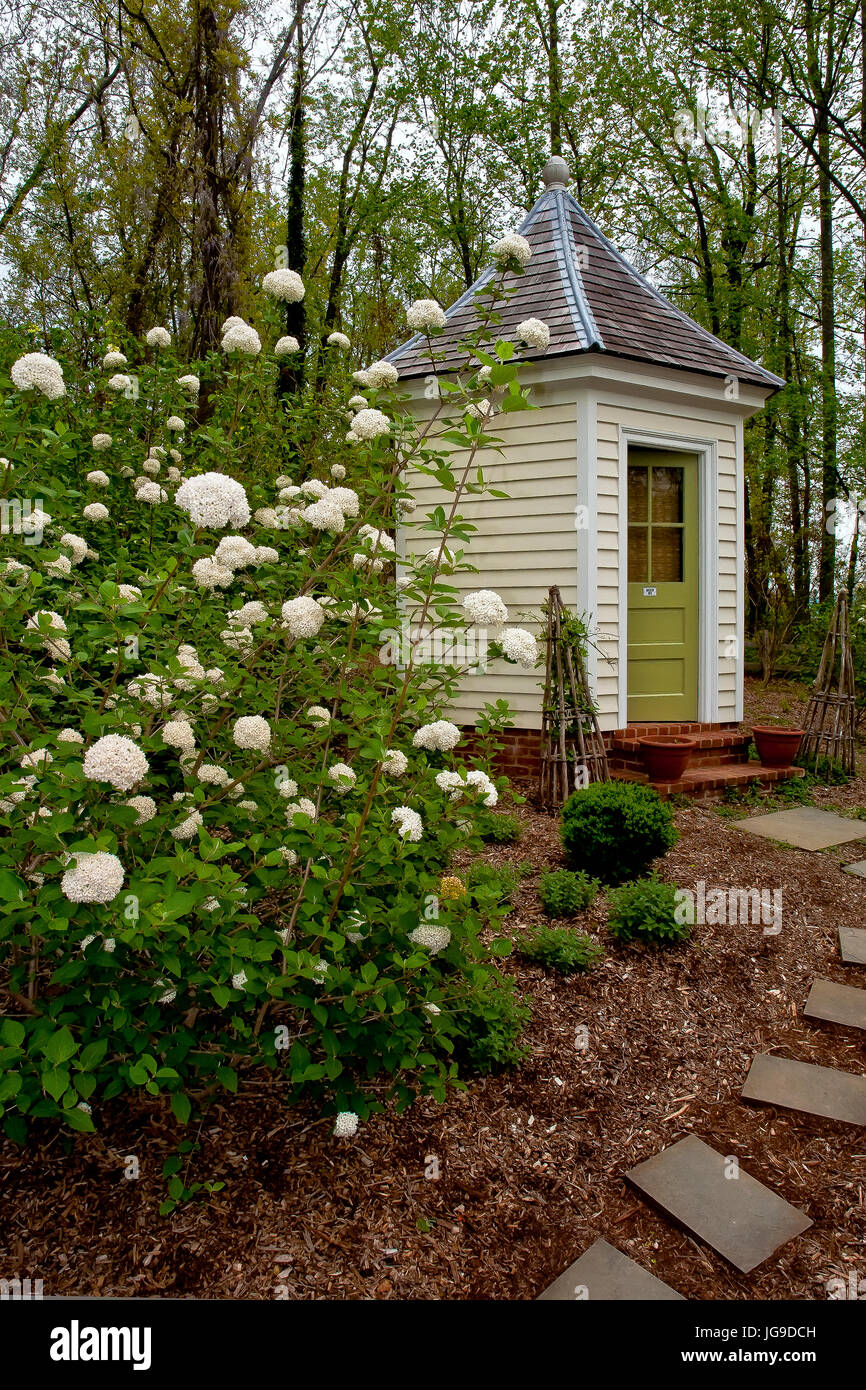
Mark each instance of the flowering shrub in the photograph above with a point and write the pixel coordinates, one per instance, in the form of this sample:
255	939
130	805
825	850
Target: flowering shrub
223	814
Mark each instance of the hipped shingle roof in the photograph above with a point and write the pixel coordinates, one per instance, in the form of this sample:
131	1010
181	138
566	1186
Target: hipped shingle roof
591	299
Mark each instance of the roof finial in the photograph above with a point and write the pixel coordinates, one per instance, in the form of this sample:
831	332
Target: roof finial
555	172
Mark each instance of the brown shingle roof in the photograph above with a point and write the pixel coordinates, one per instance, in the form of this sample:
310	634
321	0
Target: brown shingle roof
591	299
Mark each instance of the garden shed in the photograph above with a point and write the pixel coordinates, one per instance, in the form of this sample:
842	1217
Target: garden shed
625	484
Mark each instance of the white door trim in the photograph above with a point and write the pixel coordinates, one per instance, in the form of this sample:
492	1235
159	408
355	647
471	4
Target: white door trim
708	568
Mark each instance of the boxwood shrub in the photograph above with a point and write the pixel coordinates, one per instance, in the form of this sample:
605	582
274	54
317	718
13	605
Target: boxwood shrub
615	830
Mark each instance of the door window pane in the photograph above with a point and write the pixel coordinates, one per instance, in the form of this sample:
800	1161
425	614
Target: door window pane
637	555
667	494
667	555
638	479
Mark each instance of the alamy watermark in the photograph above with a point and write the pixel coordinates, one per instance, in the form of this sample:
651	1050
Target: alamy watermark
22	516
730	907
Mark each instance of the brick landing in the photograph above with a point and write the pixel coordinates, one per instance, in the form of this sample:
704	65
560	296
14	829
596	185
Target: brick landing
709	779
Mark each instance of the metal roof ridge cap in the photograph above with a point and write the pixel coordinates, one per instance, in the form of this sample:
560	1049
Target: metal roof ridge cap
591	330
657	294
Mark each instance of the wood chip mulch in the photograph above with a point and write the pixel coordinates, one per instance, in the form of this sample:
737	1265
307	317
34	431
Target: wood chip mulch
530	1163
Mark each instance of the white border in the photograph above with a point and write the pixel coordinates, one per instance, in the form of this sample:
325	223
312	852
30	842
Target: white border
706	449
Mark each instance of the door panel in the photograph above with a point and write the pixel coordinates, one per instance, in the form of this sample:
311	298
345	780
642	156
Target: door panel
662	560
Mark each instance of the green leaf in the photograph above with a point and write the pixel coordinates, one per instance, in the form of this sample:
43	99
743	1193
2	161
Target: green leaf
12	1032
181	1106
60	1047
80	1120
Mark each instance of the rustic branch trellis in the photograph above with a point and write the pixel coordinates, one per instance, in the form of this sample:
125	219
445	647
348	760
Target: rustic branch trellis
830	713
572	748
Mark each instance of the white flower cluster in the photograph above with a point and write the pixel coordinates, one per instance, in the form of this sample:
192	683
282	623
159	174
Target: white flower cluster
95	511
485	608
303	616
284	284
119	382
346	1125
425	314
368	424
512	247
93	878
283	346
456	784
214	500
303	807
239	336
394	763
36	371
433	939
519	645
339	340
174	422
252	731
113	359
534	333
144	808
147	491
179	733
115	759
47	622
440	736
77	544
157	337
152	689
318	716
342	776
191	382
408	822
101	442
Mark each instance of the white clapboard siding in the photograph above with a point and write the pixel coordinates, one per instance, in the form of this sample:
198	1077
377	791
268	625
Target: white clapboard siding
524	543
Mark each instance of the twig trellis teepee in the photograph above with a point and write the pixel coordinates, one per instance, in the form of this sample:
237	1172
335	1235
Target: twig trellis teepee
572	748
830	713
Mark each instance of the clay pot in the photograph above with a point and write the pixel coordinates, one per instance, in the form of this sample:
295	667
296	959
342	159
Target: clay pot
666	756
776	747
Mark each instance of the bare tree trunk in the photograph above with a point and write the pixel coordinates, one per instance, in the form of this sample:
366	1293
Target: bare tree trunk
292	374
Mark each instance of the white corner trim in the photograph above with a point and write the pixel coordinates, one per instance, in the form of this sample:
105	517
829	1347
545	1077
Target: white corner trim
741	572
706	449
586	521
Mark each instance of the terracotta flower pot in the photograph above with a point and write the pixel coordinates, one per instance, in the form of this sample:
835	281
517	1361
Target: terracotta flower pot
776	747
666	756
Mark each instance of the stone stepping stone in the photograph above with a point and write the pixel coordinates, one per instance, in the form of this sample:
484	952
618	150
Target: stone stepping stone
738	1216
603	1272
835	1095
852	944
834	1003
859	868
807	827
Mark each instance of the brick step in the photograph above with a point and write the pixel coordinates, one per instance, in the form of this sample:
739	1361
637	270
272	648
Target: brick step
648	730
713	778
628	741
709	757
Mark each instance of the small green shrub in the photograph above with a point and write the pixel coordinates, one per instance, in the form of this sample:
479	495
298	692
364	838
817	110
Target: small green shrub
560	948
499	829
646	910
492	884
496	1019
616	829
563	892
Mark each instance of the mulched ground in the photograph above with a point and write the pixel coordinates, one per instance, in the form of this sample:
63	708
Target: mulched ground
530	1163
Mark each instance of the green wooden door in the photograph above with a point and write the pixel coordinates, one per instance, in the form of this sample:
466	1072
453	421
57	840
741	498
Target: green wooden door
662	586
